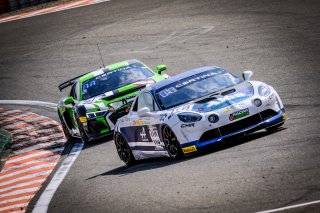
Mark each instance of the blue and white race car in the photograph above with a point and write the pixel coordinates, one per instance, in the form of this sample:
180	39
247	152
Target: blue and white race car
187	112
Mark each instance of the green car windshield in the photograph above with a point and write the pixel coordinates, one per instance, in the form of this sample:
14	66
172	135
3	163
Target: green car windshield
114	79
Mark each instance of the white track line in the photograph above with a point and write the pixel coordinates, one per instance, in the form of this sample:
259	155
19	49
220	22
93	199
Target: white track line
290	207
28	102
45	198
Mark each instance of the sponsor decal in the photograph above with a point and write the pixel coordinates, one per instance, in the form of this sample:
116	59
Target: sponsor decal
189	149
239	114
139	122
187	125
166	92
162	117
227	110
83	119
155	136
198	78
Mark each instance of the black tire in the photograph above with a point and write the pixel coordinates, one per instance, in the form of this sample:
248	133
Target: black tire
65	129
83	134
171	143
124	150
275	127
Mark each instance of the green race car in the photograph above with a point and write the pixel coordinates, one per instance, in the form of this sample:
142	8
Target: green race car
99	98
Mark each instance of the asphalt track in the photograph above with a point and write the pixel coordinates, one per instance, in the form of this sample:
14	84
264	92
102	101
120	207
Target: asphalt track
278	40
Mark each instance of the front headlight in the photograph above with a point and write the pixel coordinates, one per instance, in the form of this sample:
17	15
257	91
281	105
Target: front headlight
189	117
264	90
91	115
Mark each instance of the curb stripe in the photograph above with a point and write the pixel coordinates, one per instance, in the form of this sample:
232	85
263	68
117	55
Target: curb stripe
30	164
46	145
34	155
23	187
34	165
38	142
20	185
17	196
27	180
13	206
33	172
16	199
26	171
8	112
49	10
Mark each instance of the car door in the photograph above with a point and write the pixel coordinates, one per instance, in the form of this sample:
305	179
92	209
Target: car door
146	128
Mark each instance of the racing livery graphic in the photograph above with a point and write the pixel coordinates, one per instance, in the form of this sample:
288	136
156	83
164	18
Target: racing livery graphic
187	112
99	98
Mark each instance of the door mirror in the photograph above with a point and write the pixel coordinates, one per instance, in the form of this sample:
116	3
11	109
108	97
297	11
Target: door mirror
247	75
68	100
161	68
144	112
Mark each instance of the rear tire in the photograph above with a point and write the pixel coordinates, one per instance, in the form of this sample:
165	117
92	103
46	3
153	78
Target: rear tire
171	143
65	129
124	150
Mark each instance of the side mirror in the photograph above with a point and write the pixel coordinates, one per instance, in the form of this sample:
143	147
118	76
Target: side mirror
68	100
161	68
144	112
247	75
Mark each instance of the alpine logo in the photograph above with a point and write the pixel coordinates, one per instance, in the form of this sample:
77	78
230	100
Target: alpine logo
143	134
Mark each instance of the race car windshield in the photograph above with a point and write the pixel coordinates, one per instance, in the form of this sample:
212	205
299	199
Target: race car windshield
114	79
195	87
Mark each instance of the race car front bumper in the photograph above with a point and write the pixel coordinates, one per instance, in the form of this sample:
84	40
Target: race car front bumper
252	123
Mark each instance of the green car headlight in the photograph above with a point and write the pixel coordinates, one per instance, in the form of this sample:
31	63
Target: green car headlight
91	115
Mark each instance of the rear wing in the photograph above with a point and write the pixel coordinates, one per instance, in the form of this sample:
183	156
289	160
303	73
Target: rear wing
69	82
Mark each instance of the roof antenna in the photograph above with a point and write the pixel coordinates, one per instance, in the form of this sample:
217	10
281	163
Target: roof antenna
100	56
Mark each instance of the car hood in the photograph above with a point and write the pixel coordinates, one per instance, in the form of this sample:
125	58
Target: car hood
221	99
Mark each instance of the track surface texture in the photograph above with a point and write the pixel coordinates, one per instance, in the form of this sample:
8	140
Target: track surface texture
278	40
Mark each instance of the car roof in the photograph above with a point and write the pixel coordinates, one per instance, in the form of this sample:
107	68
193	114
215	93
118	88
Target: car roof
180	76
107	69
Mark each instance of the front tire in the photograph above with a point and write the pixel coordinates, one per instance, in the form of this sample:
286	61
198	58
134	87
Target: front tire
65	129
83	135
124	150
171	143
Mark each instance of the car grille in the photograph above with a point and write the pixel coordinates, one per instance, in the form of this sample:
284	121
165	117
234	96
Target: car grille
269	113
97	126
236	126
